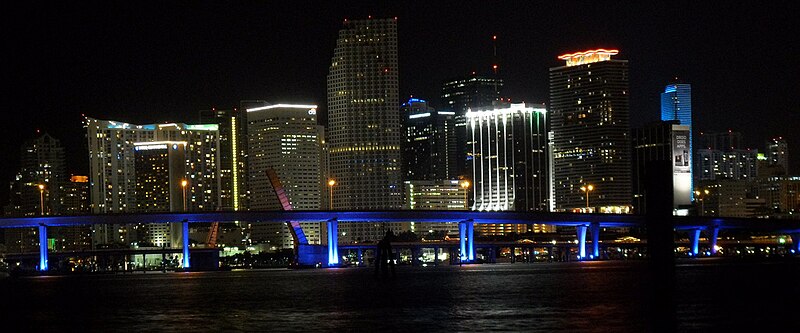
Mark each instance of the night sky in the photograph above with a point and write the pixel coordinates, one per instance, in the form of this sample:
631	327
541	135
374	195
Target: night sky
153	62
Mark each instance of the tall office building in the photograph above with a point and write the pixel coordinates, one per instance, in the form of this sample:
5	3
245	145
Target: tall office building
720	155
112	177
459	95
429	145
720	140
509	154
287	139
663	141
41	164
434	195
676	104
591	140
74	201
778	153
364	117
232	155
162	183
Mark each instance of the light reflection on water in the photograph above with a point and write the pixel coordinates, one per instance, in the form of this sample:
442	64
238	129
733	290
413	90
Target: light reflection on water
556	297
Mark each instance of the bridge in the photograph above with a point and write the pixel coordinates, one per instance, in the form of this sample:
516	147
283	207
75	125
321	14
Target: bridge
583	223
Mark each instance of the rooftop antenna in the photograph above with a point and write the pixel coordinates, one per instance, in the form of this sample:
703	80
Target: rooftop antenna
495	66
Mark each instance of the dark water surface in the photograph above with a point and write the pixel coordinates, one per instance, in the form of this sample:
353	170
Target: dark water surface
710	295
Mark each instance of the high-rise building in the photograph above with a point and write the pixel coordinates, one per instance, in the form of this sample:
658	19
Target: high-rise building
591	132
459	95
232	155
676	104
287	139
35	189
720	156
74	201
720	140
509	154
663	141
162	183
434	195
429	145
41	163
112	177
778	153
365	131
364	117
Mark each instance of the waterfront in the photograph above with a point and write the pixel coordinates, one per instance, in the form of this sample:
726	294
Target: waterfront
567	297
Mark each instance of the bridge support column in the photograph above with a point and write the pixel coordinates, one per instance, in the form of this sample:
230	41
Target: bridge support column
42	248
694	242
595	241
581	229
513	255
333	242
185	238
796	243
466	232
713	233
436	256
360	258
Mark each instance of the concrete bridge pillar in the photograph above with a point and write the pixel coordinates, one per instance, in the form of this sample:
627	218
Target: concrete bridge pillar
713	233
436	256
360	259
333	242
694	242
185	238
42	248
595	240
581	229
466	232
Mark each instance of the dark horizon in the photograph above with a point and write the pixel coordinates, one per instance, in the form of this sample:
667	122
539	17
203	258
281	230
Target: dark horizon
150	63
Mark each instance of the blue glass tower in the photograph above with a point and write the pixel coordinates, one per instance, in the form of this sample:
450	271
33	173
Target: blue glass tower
676	104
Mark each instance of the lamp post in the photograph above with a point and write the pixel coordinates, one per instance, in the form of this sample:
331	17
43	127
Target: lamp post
700	196
41	198
183	186
465	185
331	184
588	189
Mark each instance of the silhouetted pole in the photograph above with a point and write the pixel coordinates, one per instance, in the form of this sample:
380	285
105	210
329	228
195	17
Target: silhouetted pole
660	246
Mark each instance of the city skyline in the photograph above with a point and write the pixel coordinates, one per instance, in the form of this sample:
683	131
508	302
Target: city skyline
96	77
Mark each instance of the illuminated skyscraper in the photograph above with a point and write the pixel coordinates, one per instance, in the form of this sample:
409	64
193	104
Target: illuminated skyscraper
286	139
364	117
160	173
429	145
112	169
778	153
232	155
509	154
458	96
41	163
676	104
590	124
663	141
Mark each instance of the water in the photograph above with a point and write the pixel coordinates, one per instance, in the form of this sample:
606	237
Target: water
547	297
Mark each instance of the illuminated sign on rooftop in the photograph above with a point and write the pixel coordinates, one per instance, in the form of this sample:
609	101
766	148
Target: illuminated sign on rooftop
588	57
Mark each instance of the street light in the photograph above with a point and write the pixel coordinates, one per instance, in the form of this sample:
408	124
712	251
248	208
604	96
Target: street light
700	196
465	185
331	184
41	197
588	189
183	185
